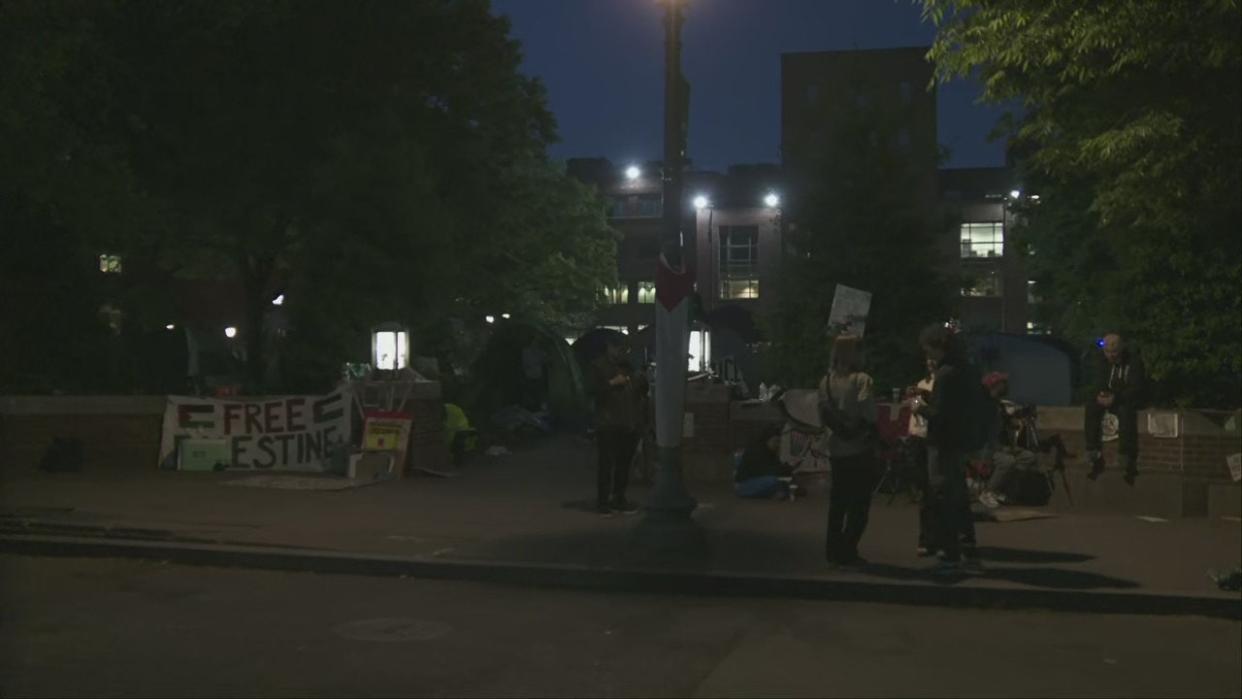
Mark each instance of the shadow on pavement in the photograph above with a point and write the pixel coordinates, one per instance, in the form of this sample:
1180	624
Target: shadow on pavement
1011	555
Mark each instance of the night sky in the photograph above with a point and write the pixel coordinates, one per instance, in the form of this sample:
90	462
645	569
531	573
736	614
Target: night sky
602	63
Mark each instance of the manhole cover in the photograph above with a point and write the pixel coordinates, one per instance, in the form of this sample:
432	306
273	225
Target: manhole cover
393	630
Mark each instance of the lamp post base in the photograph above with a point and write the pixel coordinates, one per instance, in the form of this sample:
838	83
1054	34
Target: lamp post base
669	500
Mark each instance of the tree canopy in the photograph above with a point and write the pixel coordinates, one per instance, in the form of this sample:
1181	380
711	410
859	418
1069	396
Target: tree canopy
1131	132
375	160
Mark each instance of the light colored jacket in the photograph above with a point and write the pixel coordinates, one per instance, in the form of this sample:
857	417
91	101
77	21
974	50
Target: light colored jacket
854	395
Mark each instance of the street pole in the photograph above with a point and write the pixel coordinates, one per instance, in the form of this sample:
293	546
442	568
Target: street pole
669	500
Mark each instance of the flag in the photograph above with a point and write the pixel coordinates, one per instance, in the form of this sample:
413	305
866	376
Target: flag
672	325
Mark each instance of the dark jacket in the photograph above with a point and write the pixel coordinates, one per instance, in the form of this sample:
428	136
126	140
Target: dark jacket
947	412
621	407
1127	379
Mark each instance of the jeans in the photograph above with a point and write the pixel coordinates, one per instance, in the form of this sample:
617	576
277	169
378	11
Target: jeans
954	523
1004	461
849	505
1127	427
760	487
616	451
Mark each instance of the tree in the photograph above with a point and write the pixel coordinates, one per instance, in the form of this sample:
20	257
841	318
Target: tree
1132	132
865	220
379	160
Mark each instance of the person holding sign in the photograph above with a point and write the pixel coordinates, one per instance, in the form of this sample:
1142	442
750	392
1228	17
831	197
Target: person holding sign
847	407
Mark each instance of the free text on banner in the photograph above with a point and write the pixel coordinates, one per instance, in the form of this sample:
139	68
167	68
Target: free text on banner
292	433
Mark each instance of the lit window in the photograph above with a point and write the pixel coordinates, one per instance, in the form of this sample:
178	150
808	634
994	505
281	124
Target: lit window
1032	295
1033	328
646	292
110	264
983	239
739	262
616	295
985	283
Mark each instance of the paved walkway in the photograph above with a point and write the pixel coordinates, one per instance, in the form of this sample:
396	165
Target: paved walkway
530	508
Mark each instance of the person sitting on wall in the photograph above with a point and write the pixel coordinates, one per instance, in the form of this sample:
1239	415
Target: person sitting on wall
1120	383
760	474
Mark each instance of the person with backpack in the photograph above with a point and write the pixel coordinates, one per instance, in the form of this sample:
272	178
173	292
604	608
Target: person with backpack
957	420
847	408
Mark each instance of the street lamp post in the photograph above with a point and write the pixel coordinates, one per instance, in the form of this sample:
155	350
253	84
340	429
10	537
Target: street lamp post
669	501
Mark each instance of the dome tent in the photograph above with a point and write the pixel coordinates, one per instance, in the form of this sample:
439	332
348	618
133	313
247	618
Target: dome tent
497	377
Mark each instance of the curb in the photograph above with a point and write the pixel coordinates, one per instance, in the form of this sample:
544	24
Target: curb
627	580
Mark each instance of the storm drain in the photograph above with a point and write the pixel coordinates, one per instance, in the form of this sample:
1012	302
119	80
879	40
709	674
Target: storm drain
393	630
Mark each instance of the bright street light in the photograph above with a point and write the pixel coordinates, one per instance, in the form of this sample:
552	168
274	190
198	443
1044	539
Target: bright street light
772	200
632	172
1014	194
505	316
279	300
230	332
170	326
490	319
701	202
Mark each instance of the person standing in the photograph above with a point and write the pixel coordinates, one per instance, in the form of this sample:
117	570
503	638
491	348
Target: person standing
949	436
620	409
1120	383
916	445
847	402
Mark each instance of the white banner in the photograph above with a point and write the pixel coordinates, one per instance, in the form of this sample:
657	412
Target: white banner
672	327
285	433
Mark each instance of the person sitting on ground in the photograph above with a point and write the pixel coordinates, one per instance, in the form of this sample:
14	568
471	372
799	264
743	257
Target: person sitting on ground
1001	451
1120	384
761	473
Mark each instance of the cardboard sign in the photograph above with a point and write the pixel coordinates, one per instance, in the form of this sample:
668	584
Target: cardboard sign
850	308
388	431
293	433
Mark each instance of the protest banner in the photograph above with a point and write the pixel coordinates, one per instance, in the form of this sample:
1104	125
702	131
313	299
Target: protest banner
285	433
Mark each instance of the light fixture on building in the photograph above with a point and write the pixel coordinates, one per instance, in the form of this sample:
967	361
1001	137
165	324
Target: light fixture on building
700	355
279	300
1015	194
632	173
230	332
772	200
170	326
1034	197
490	319
506	316
701	201
390	347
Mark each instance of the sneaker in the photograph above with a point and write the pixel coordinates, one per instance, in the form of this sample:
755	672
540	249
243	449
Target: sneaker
624	507
989	500
947	569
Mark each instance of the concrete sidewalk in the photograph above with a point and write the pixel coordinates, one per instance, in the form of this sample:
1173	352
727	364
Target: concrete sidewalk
528	511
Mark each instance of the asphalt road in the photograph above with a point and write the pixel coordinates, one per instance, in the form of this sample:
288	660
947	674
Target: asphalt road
80	627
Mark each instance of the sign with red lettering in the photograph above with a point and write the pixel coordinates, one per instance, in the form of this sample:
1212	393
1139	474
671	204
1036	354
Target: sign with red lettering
287	433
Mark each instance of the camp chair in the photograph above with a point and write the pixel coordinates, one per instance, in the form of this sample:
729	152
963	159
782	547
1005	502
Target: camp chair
803	438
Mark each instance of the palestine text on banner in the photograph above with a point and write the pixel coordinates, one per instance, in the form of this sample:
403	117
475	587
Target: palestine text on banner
295	433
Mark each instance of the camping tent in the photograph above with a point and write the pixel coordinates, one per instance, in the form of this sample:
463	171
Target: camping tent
497	377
